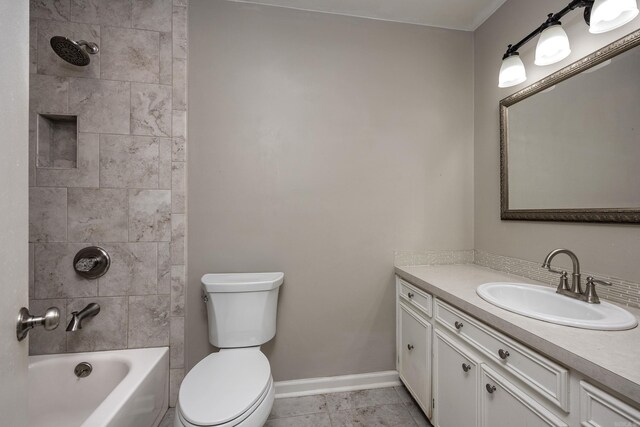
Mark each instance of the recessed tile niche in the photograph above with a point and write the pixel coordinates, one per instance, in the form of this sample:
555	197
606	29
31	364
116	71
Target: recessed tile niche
57	141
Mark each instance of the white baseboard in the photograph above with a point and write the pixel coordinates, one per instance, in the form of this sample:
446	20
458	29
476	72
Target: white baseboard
311	386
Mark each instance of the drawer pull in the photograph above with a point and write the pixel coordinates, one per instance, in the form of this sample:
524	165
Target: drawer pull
410	347
466	367
503	354
458	325
410	295
491	388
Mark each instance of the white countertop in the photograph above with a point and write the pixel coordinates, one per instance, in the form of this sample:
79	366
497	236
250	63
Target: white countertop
609	357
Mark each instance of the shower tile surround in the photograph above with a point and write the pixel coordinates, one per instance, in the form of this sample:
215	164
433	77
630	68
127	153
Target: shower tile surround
126	192
622	292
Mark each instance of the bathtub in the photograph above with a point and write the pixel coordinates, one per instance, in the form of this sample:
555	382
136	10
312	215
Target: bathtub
126	388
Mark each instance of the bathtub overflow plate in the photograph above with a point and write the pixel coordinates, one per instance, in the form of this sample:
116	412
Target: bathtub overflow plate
83	369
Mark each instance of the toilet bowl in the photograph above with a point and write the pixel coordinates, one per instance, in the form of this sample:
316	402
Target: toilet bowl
234	386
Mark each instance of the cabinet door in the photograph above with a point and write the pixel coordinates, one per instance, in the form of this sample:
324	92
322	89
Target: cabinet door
415	356
455	384
502	404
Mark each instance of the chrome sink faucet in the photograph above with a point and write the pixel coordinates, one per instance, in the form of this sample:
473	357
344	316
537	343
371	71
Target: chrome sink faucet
78	316
575	290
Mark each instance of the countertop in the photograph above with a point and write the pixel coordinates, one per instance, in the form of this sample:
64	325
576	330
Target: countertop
609	357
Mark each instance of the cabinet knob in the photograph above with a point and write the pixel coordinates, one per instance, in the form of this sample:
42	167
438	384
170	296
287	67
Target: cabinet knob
410	347
458	325
410	295
503	354
491	388
466	367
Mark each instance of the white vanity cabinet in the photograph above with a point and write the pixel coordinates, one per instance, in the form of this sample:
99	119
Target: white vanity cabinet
414	338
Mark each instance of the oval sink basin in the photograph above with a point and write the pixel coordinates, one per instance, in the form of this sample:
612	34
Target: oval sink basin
542	303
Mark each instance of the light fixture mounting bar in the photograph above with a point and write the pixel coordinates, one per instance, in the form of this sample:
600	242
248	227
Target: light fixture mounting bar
551	19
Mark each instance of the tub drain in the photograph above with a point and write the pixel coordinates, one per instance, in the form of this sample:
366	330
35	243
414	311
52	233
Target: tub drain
83	369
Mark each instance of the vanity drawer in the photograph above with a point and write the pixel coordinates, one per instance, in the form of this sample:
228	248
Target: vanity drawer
417	298
542	374
598	408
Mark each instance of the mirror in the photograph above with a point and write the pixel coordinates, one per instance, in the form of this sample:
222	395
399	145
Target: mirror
570	143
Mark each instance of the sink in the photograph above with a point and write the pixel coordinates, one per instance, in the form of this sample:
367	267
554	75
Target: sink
543	303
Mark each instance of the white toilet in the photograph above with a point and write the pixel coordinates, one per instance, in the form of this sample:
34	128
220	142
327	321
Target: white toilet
233	387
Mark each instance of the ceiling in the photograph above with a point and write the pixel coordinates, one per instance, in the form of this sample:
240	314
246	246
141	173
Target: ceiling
464	15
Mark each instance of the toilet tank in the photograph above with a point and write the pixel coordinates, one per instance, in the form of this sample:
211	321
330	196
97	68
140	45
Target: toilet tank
241	308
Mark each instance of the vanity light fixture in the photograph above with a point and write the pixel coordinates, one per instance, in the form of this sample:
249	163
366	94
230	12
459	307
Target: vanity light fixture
553	44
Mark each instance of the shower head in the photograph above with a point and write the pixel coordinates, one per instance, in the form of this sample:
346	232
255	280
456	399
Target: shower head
74	52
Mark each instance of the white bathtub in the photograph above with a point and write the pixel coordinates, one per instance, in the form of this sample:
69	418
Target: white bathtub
126	388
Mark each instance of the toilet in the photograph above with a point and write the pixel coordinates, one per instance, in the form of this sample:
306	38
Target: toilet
233	387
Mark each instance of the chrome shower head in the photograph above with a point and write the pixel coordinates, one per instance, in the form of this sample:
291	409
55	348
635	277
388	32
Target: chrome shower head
74	52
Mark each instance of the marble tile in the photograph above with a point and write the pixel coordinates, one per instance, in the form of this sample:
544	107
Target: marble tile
403	394
175	379
150	109
47	94
178	232
152	14
164	166
106	331
97	215
149	215
177	290
362	399
86	172
180	84
179	32
33	46
32	250
57	10
166	58
178	150
130	55
103	12
47	214
313	420
416	413
164	268
128	162
54	276
295	406
133	270
178	187
148	321
176	341
102	106
48	62
180	2
374	416
42	341
168	419
179	126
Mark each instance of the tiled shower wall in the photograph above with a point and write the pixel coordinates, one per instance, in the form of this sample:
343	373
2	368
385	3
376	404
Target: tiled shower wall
127	191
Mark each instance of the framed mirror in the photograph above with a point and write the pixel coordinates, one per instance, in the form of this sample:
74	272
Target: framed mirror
570	143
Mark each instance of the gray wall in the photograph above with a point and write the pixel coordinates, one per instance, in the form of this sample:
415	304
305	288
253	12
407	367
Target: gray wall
319	144
607	249
127	190
14	87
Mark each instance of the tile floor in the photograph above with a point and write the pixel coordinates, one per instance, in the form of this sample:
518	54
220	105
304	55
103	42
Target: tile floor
391	407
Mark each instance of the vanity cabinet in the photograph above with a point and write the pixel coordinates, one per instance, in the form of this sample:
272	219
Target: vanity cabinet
414	338
456	382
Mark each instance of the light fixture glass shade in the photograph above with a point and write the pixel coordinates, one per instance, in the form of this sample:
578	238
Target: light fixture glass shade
553	45
607	15
512	71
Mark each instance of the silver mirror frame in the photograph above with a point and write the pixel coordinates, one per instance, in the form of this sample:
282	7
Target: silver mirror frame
608	215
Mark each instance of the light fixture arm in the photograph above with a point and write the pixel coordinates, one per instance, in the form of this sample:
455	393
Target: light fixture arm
552	19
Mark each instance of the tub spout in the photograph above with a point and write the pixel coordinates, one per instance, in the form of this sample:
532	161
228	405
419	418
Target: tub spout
77	316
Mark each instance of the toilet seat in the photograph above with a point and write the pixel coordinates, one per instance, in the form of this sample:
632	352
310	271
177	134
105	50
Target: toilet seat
225	388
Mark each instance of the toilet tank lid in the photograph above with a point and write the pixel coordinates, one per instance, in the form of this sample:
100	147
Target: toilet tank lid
241	282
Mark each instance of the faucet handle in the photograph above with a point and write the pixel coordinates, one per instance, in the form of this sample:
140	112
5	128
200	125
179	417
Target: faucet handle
590	294
564	281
